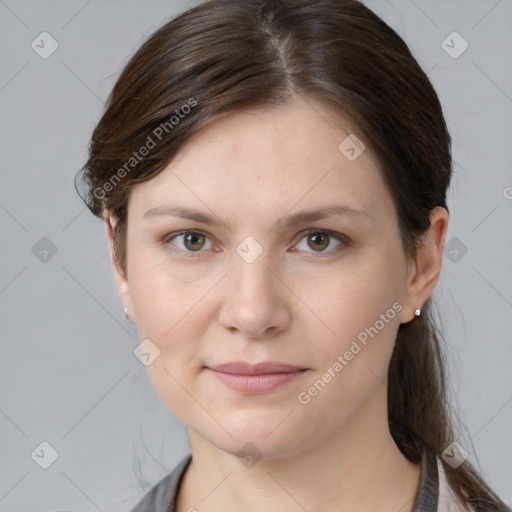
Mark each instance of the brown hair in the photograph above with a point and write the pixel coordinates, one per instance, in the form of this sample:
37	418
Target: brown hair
223	56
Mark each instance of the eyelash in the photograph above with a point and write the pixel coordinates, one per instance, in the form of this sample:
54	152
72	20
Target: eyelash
344	241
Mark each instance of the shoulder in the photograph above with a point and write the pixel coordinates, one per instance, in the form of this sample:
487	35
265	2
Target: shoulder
161	497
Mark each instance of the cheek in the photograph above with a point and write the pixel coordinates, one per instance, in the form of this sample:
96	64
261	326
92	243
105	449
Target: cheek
172	388
353	362
174	315
361	312
351	301
165	301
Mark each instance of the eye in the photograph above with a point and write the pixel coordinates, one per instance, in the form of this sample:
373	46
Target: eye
319	239
191	241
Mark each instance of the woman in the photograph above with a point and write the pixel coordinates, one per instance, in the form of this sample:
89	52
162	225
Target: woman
273	178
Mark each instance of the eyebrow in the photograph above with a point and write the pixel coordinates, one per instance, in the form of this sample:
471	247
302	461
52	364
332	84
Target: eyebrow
330	211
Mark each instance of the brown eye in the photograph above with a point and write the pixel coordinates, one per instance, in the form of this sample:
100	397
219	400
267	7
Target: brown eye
318	240
188	241
194	241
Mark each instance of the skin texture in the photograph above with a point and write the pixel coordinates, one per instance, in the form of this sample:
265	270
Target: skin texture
202	308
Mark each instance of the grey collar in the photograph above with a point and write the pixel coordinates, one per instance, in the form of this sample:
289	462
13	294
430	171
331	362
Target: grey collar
426	498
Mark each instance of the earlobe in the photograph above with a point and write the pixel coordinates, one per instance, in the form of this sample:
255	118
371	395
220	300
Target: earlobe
426	270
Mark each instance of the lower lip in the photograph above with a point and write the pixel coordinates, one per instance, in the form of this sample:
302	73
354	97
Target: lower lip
256	383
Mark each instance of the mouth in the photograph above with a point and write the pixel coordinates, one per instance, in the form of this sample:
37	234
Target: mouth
255	379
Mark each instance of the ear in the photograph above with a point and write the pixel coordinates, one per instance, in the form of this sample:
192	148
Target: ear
424	272
121	280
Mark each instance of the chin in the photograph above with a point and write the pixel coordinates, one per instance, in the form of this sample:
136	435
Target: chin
260	439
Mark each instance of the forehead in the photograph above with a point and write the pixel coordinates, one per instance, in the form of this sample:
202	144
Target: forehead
259	159
302	132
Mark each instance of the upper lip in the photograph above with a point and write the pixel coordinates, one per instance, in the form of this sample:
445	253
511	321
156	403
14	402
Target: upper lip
243	368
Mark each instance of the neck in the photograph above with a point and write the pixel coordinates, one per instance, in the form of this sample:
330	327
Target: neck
358	468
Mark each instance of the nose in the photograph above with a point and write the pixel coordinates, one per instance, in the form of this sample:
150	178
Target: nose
257	302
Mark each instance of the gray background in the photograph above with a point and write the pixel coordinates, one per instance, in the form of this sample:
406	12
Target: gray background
68	375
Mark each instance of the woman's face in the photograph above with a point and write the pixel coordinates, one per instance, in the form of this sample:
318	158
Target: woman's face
251	286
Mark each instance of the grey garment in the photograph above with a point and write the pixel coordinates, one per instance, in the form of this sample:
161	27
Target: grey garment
427	496
162	497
